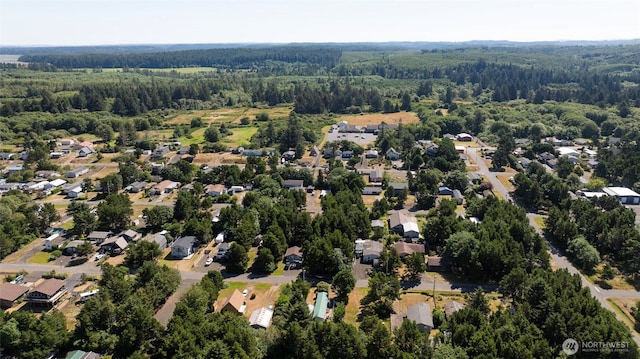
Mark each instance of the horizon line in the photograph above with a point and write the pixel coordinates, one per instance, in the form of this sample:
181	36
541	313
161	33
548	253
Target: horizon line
314	42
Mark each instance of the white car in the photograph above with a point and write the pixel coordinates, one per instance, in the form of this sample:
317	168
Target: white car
99	256
245	292
208	262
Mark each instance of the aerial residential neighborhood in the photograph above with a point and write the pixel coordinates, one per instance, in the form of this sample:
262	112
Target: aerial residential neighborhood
263	211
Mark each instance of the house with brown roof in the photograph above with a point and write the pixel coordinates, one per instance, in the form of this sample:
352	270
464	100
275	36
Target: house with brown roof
10	293
234	303
214	190
47	293
293	255
165	186
405	249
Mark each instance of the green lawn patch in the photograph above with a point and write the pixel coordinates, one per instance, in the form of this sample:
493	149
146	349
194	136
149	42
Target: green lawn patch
231	286
40	258
279	270
67	225
262	286
241	136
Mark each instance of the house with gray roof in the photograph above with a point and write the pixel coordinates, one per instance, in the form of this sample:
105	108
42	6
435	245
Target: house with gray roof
421	314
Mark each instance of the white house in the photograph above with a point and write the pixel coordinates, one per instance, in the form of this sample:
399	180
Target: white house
392	154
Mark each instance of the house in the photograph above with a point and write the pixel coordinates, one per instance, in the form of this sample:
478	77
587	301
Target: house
156	168
188	187
82	144
315	152
568	151
371	251
234	303
56	155
404	225
235	189
405	249
183	247
51	242
77	172
67	142
460	149
328	152
464	137
114	245
445	191
47	293
47	174
435	264
293	255
10	293
545	157
371	154
457	195
320	307
552	163
452	307
81	354
166	186
86	151
375	176
371	129
421	314
214	190
293	184
261	318
431	149
75	192
57	183
377	223
130	235
625	195
398	187
160	152
98	236
72	247
6	156
392	154
350	129
136	187
183	151
159	239
6	187
590	153
524	162
347	154
371	190
14	169
289	155
220	238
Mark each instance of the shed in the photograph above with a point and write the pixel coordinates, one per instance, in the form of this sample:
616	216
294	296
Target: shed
452	307
234	303
261	318
320	307
159	239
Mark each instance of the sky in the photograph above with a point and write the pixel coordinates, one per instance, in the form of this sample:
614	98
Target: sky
102	22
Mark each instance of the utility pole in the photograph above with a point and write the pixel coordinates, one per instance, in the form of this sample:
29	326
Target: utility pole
434	291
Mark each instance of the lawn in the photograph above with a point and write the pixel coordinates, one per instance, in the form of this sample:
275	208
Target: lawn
279	270
353	307
40	258
230	287
68	225
241	136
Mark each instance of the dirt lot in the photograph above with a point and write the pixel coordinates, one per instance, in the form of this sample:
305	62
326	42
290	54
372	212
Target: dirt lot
377	118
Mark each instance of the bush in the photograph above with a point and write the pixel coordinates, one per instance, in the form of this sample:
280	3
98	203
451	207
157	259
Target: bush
55	254
253	296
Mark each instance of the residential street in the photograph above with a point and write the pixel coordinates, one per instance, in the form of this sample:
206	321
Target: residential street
556	256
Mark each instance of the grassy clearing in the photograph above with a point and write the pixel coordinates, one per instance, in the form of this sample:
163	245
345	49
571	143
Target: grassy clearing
39	258
618	282
353	307
67	225
231	286
622	307
540	222
279	270
262	286
252	254
240	137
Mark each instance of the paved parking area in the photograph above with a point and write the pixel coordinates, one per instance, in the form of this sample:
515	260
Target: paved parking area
362	139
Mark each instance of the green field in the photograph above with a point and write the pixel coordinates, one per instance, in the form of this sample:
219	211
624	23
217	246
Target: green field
240	137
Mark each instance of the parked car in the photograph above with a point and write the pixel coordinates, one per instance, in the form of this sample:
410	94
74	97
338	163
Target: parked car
208	262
